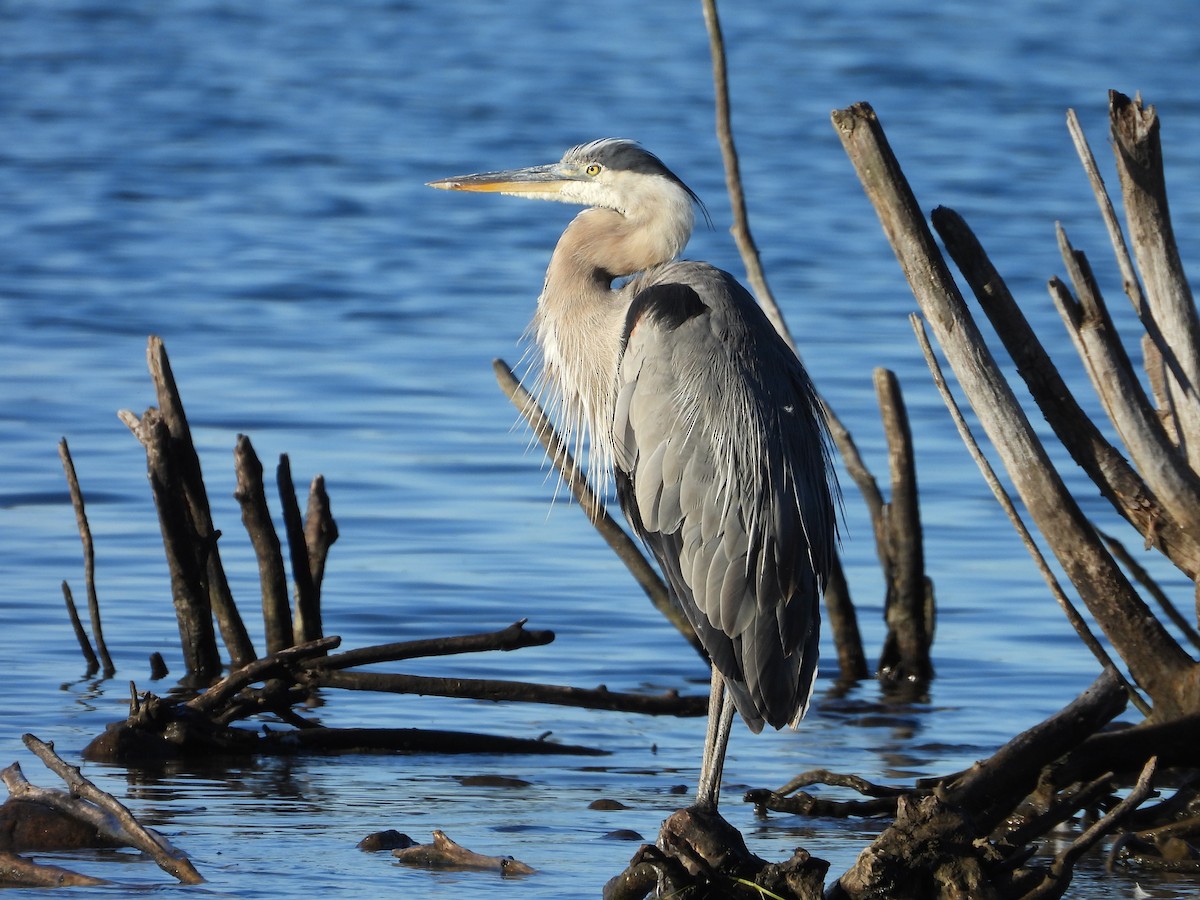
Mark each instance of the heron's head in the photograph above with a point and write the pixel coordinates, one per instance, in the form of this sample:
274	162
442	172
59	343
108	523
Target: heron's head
611	173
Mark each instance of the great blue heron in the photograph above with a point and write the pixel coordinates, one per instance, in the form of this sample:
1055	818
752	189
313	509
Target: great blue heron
703	414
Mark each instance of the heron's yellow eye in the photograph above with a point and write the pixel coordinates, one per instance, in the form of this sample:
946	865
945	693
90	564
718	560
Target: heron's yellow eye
593	169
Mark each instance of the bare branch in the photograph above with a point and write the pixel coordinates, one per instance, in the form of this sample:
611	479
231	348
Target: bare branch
1138	153
89	562
1001	495
1155	659
733	178
194	497
1117	480
250	495
107	814
621	543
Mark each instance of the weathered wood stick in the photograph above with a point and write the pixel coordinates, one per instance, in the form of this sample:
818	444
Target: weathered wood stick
989	476
194	493
250	495
281	661
668	704
89	562
444	853
908	608
306	620
514	637
1061	869
16	870
1107	467
320	531
189	593
992	788
1154	657
108	814
621	543
89	655
1138	152
1174	483
1154	361
740	229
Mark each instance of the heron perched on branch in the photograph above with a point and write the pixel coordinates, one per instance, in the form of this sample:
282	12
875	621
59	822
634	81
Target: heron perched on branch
702	414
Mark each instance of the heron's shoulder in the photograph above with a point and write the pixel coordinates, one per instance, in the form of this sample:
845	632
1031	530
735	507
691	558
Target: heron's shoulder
676	293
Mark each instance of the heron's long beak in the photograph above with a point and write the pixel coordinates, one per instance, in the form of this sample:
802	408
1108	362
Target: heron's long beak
533	180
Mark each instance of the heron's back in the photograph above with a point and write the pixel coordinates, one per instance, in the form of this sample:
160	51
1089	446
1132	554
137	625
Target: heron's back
722	469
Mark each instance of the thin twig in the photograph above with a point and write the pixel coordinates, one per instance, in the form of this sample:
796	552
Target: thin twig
89	655
733	178
514	637
89	558
622	544
1059	878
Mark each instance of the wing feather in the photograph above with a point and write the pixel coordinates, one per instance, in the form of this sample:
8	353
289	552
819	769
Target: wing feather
720	442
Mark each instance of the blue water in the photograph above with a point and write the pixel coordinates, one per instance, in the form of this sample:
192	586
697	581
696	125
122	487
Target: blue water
246	180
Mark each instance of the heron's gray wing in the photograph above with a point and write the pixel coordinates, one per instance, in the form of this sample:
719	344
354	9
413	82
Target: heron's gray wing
721	468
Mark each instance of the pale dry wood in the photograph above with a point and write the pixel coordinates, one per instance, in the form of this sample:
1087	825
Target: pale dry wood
1155	659
733	178
1133	415
1117	480
101	810
1138	153
989	476
1153	360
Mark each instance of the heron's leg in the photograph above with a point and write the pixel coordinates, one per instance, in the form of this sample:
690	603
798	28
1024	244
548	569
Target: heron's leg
716	739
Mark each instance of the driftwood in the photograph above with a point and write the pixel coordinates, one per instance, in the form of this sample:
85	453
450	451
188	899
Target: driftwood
974	833
970	833
201	727
102	819
444	853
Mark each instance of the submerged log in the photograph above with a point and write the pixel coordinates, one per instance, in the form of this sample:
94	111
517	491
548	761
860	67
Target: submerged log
444	853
